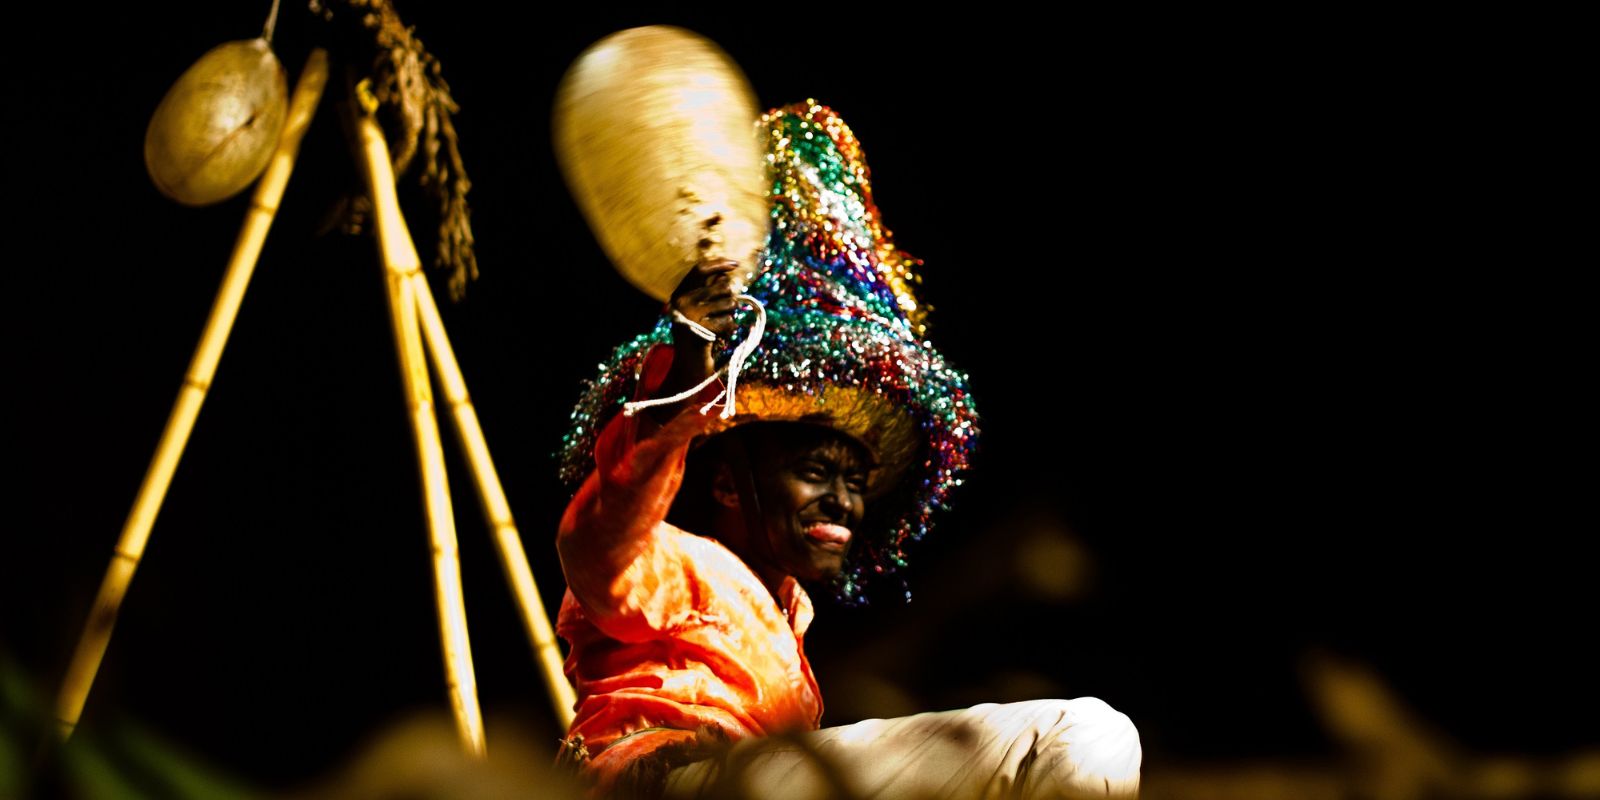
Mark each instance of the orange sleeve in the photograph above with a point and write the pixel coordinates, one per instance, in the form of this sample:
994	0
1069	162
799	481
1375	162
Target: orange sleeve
617	550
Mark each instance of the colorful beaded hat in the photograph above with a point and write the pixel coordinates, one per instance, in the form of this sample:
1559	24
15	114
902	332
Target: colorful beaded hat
843	346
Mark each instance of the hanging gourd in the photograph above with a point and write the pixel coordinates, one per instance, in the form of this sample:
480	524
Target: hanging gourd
216	128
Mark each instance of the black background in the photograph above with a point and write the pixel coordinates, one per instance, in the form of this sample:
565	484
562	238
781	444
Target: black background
1263	312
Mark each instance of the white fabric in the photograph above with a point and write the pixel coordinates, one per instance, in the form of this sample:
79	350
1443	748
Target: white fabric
1035	749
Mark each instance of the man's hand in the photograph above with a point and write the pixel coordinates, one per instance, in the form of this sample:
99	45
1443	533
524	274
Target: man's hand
705	296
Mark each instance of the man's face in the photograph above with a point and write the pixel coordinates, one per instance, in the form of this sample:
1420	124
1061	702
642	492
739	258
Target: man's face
810	482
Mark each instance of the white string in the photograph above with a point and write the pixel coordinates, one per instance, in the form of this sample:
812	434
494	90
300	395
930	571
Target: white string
740	354
628	409
734	366
694	327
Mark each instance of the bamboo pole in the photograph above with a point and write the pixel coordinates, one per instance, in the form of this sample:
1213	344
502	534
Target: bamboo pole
401	262
196	382
504	529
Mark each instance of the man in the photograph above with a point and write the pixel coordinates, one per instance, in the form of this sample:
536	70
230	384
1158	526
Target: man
688	636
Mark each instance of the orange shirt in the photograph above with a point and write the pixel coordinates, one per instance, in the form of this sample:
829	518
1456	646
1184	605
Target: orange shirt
669	629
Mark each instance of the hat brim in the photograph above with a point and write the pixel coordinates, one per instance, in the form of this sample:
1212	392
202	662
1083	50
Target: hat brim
887	431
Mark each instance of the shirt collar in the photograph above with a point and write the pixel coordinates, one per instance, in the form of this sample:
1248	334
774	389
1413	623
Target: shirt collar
796	604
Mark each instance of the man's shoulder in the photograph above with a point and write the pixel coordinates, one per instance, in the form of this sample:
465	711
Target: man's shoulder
668	543
700	549
711	566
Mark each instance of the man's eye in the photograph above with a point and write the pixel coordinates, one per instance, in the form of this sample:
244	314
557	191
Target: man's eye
857	485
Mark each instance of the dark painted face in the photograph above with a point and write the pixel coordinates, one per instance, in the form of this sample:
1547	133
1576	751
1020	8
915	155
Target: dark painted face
809	481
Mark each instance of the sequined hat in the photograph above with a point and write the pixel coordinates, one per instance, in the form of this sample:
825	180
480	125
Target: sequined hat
844	344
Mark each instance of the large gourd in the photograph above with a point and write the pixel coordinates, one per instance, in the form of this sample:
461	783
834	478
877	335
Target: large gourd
215	129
